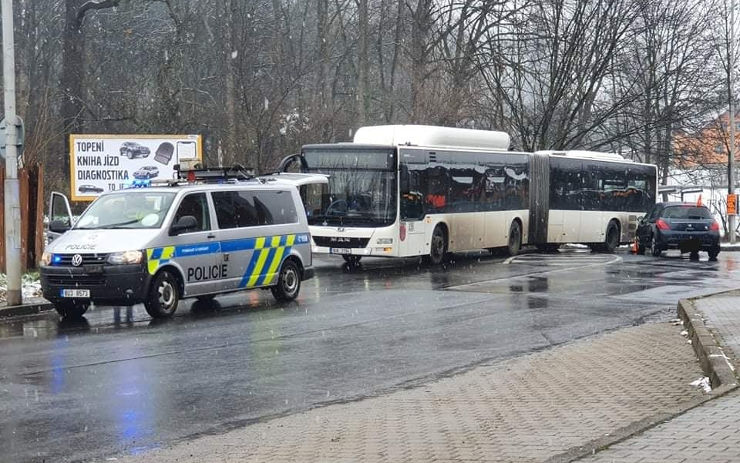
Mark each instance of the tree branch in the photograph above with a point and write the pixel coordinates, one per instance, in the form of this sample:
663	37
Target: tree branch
94	5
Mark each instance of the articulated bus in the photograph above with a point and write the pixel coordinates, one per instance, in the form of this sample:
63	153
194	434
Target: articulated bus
401	191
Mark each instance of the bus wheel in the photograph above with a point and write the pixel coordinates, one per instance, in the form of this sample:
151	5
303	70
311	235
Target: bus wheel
515	238
164	295
71	310
289	282
612	237
438	248
351	260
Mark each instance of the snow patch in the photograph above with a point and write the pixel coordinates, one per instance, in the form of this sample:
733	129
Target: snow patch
703	383
30	286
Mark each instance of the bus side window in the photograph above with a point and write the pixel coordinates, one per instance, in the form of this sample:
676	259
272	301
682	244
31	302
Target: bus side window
411	203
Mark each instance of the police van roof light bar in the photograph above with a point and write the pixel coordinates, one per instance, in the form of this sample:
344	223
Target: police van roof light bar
214	174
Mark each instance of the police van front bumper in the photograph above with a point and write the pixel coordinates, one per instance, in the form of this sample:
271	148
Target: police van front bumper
108	284
307	273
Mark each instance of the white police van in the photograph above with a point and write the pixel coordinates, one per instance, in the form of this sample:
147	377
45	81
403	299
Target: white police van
210	235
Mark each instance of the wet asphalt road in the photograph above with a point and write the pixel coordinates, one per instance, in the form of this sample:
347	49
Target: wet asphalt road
119	383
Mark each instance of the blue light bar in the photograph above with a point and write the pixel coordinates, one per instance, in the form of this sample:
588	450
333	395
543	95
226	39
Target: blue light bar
135	183
56	258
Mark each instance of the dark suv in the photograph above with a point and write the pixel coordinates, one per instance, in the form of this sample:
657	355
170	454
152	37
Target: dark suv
131	150
684	226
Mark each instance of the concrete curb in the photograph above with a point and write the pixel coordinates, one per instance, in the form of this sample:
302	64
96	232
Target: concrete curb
714	362
23	310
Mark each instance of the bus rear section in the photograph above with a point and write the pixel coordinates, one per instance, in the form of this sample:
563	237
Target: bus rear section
590	198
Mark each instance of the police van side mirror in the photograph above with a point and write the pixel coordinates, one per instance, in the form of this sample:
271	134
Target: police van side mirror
58	226
183	224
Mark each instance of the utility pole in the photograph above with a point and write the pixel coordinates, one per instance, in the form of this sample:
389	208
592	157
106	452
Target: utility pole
732	218
12	187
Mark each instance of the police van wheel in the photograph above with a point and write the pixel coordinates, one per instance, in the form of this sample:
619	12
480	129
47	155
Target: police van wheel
164	294
70	309
289	282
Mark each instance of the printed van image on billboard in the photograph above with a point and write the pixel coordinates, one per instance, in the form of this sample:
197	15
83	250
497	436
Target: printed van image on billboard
100	163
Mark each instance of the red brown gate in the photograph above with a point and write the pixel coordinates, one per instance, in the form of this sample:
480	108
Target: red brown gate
31	181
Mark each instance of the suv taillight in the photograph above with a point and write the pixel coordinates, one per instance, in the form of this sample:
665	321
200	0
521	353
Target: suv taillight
714	226
662	224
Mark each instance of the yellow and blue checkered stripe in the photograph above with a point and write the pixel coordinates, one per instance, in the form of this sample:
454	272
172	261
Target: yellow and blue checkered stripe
156	257
269	254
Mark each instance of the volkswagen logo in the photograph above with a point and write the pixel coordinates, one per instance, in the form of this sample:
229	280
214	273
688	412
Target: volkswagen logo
76	260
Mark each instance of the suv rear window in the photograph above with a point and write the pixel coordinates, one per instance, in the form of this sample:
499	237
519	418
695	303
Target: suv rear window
236	209
686	212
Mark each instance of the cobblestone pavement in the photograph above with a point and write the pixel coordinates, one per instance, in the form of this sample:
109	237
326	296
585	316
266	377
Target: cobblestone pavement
707	433
529	408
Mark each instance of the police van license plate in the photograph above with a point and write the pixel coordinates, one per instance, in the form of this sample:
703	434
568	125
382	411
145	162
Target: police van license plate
75	293
340	251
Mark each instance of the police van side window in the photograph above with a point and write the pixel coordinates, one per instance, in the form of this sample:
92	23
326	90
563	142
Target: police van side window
236	209
275	207
197	206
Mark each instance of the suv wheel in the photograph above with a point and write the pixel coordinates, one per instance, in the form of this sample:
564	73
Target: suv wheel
289	282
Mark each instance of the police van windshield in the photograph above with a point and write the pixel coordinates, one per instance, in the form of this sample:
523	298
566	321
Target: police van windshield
129	210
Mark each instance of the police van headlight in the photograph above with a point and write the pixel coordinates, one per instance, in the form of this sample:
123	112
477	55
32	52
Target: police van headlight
126	257
46	258
385	241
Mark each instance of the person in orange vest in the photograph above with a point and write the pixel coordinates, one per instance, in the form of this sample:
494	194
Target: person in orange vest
436	200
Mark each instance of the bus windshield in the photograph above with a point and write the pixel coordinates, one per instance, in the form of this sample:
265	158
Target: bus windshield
361	191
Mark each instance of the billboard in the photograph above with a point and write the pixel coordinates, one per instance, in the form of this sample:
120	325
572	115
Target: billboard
100	163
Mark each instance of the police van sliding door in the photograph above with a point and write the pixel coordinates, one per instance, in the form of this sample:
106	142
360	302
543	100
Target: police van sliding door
257	232
195	250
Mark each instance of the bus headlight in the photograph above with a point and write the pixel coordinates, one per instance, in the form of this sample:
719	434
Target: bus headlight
126	257
46	258
385	241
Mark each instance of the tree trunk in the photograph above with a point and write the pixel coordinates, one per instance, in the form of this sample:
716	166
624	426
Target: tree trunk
363	65
73	47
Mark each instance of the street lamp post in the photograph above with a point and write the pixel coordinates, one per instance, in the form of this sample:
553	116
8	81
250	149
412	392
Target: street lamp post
12	188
